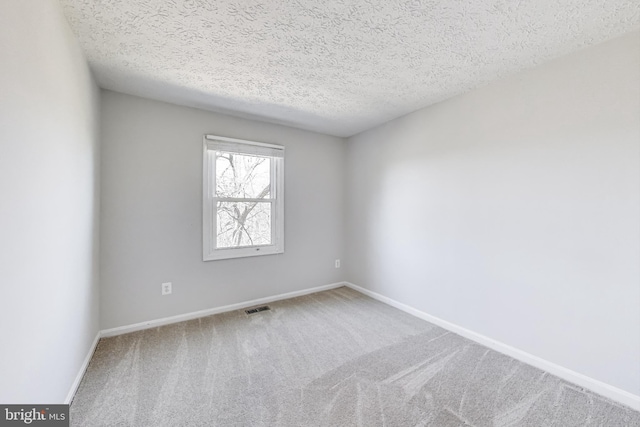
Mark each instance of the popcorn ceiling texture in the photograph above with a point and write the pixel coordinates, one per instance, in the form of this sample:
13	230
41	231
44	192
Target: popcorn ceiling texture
333	66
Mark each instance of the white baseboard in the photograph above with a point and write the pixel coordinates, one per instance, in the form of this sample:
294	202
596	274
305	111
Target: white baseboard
604	389
208	312
83	369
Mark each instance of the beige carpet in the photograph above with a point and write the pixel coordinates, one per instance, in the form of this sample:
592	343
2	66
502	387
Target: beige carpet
336	358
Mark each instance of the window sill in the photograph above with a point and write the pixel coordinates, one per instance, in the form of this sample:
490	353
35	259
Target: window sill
242	253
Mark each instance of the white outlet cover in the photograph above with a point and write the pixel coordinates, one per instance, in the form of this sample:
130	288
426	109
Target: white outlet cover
166	288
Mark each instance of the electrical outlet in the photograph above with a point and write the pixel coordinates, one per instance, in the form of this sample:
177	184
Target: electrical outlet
166	288
337	263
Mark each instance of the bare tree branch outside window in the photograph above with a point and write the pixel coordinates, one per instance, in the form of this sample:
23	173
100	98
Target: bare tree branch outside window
242	183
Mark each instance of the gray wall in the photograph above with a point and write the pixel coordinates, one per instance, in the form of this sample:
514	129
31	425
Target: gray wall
152	212
48	218
514	211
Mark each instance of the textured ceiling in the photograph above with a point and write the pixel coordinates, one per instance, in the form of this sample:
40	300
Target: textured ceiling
333	66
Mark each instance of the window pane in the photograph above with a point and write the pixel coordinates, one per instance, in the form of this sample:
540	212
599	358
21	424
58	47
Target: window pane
243	224
241	176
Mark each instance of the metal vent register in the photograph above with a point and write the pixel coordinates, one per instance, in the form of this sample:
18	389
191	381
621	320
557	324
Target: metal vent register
258	309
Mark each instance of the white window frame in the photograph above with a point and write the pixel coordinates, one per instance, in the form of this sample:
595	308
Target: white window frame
212	143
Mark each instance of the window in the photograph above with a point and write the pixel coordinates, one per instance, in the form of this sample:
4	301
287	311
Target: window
243	203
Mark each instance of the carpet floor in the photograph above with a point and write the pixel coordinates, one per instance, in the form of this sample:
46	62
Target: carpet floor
335	358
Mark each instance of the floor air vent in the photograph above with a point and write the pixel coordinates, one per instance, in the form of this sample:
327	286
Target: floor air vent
258	309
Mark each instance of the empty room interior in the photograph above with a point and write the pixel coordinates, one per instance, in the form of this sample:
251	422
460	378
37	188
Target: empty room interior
321	213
